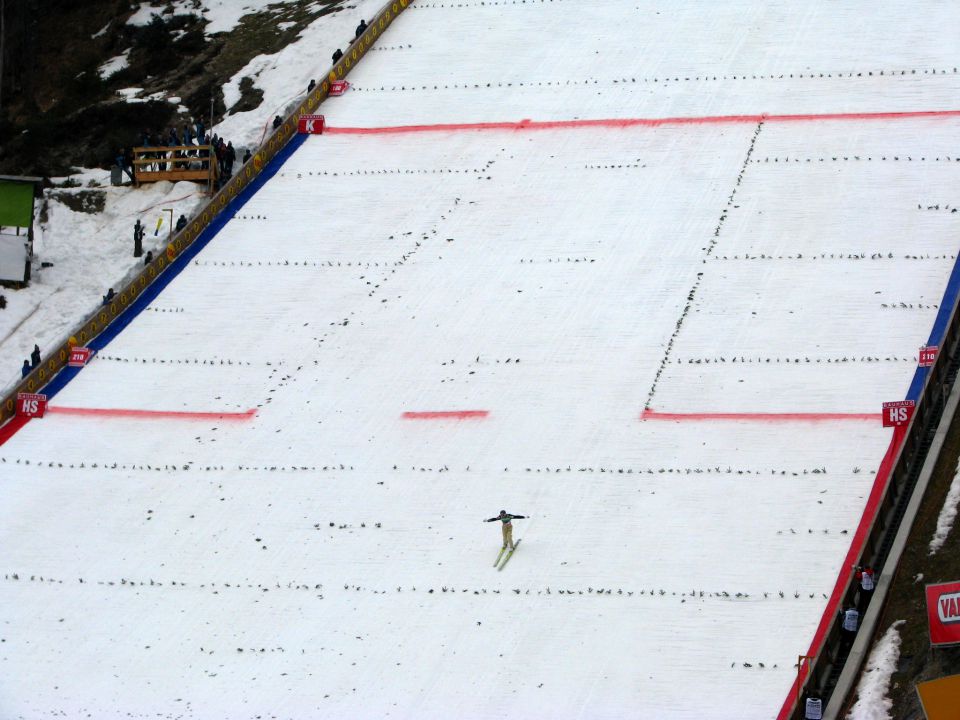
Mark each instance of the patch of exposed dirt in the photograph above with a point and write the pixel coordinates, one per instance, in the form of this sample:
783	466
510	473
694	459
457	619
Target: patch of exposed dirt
85	201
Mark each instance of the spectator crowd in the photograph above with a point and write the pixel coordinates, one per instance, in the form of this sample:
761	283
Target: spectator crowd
174	149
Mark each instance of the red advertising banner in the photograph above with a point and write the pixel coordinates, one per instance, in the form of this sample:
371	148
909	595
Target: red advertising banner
31	405
943	613
310	125
928	355
898	414
79	356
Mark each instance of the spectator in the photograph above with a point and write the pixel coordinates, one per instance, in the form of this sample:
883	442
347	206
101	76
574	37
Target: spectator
3	302
230	157
867	584
35	356
312	85
200	130
187	135
360	28
138	239
145	143
122	163
173	141
246	156
128	161
148	258
848	628
277	122
337	54
108	298
157	141
181	223
25	370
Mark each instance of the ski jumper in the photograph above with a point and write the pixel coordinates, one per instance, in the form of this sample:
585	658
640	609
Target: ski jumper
506	526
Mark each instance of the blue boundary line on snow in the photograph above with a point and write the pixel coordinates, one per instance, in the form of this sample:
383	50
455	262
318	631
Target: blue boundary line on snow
177	266
950	295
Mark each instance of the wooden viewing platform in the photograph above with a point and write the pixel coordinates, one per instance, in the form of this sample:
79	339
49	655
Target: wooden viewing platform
174	163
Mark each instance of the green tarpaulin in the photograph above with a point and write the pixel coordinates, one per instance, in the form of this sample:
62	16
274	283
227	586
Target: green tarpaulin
16	204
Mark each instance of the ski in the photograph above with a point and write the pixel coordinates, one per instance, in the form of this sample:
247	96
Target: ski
509	555
502	551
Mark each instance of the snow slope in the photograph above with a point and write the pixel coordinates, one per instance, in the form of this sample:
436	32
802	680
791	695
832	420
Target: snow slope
90	252
325	557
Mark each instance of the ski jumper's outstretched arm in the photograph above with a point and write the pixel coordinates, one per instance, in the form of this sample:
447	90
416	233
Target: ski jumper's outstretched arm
508	516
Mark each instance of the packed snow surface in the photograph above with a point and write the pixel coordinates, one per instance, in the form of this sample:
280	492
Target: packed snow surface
872	701
326	556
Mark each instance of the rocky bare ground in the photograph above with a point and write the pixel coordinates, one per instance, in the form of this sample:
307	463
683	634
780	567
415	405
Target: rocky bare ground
60	110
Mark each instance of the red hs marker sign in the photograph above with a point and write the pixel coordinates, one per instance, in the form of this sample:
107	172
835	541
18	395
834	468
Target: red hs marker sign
31	405
898	414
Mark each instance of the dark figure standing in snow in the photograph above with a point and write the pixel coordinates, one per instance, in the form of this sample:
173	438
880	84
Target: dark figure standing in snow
25	370
504	517
138	239
122	163
35	356
360	29
229	158
337	54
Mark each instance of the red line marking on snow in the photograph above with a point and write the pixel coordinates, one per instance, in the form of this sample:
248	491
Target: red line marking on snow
846	570
758	417
151	414
622	123
445	414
